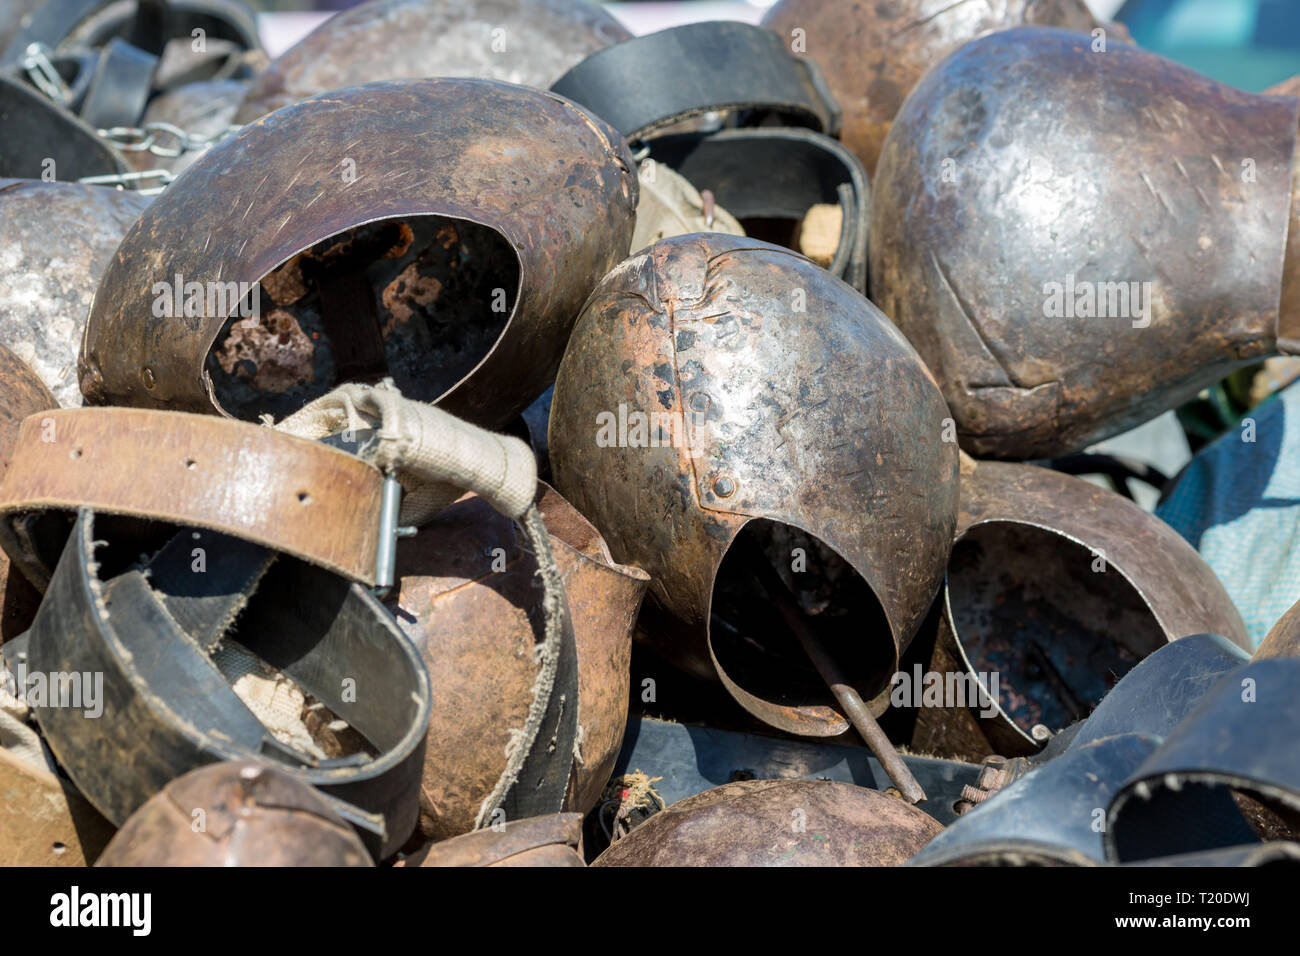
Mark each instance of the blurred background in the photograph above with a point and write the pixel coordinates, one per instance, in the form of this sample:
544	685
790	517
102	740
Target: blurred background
1251	44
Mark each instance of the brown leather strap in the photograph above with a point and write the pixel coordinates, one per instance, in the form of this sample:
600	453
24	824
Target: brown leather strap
295	496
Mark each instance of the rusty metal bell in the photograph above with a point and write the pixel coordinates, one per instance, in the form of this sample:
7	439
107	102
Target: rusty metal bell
57	242
468	596
443	232
873	54
1283	639
236	813
1076	241
537	841
22	393
1058	587
725	402
516	41
778	823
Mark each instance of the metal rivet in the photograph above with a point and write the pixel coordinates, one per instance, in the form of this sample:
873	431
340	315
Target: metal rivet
146	376
700	402
724	486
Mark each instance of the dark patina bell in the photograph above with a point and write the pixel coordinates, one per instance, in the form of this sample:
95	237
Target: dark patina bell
1077	240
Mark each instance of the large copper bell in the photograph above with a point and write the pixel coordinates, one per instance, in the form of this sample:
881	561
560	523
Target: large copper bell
872	54
516	41
1076	240
442	232
1058	587
57	241
21	394
468	596
724	406
235	814
778	823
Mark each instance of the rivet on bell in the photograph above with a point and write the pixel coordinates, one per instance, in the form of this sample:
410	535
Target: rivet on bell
724	486
700	402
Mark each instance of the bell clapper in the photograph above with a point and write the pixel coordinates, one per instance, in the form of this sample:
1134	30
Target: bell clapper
849	699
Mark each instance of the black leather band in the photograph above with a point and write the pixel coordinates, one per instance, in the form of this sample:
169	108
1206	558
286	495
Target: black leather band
650	82
149	26
33	129
1241	738
779	173
120	86
167	708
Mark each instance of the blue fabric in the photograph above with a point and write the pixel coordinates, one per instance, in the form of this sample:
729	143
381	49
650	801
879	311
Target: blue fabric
1238	503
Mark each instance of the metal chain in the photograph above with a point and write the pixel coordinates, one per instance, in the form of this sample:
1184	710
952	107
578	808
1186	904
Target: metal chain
125	180
151	138
40	68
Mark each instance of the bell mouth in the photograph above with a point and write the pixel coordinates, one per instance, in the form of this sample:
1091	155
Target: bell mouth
762	662
1050	617
422	299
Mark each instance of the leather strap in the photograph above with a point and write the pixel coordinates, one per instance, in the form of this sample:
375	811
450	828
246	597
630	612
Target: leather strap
1240	739
166	707
650	82
33	129
151	25
779	173
120	86
291	495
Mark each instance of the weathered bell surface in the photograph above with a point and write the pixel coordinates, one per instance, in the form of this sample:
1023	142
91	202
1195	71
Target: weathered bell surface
443	232
1052	816
1055	589
467	596
873	54
56	244
1283	638
22	393
778	823
516	41
235	814
726	404
1076	241
537	841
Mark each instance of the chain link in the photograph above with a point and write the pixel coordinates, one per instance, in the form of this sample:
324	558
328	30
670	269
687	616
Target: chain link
125	180
40	68
153	138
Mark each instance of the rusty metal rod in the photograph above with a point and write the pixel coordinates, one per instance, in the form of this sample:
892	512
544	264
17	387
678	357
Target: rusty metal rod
849	699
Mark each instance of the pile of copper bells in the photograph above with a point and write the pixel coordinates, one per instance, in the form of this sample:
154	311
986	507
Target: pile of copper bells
480	436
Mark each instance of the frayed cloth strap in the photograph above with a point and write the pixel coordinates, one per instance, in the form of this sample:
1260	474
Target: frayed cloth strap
437	457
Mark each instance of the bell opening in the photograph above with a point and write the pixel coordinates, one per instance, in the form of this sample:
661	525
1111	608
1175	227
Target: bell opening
420	299
1056	622
774	570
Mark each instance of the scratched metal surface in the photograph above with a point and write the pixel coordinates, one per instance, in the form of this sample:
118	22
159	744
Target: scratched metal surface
1027	158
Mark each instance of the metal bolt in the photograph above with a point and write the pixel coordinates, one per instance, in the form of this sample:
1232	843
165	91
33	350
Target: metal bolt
724	486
